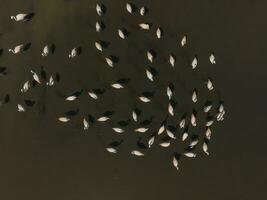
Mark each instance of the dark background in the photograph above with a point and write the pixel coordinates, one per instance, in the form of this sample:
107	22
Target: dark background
43	159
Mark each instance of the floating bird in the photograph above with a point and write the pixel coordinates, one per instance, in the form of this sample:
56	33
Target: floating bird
190	154
170	134
98	46
184	136
117	85
73	53
172	60
171	109
141	130
149	75
103	119
209	84
183	41
98	26
194	96
129	8
118	130
136	112
144	99
208	133
207	107
205	148
109	62
170	91
182	123
137	153
93	95
143	11
122	33
22	17
35	77
21	108
151	141
165	144
159	32
161	128
150	56
144	26
63	119
85	124
194	62
71	98
26	86
111	150
46	51
50	81
212	59
193	143
193	120
17	49
99	9
175	162
209	122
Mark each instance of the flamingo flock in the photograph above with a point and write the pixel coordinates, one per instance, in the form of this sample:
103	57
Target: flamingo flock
165	135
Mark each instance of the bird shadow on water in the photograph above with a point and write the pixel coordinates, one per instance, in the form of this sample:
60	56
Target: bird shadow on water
3	71
29	103
58	77
27	46
29	16
146	122
116	143
124	123
72	112
140	144
43	73
91	119
53	48
1	52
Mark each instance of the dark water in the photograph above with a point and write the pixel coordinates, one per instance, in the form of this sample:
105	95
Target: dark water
43	159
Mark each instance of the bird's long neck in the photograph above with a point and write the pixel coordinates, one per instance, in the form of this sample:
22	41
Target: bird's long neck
13	17
11	50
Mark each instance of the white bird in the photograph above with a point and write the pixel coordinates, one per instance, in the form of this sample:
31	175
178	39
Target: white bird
50	81
205	148
35	77
129	8
117	86
184	136
220	117
193	143
194	96
172	60
194	63
151	141
103	119
169	92
171	109
170	134
209	123
208	133
183	41
141	130
73	53
212	59
93	95
109	62
190	154
118	130
144	99
159	32
99	9
26	86
17	49
161	129
85	124
143	11
182	123
150	56
193	120
111	150
71	98
221	108
149	75
144	26
121	33
137	153
46	51
98	46
20	17
98	26
207	108
165	144
175	163
209	84
135	116
21	108
63	119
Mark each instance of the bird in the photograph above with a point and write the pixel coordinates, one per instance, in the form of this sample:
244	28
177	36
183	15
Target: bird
171	109
117	85
118	130
73	53
175	162
151	141
36	77
209	122
149	75
144	26
182	123
161	128
193	120
98	26
17	49
209	84
190	154
150	56
141	130
205	148
193	143
21	17
207	108
194	95
64	119
45	51
21	108
85	124
184	136
98	46
208	133
194	62
26	86
212	59
103	119
99	9
169	91
184	40
93	95
159	32
109	62
111	150
122	33
172	60
129	8
50	81
170	134
165	144
143	11
144	99
137	153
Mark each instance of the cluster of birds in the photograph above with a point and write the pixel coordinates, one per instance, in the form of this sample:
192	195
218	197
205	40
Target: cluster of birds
150	73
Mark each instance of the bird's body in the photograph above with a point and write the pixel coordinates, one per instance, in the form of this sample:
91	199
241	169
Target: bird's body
45	51
21	17
73	53
137	153
17	49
